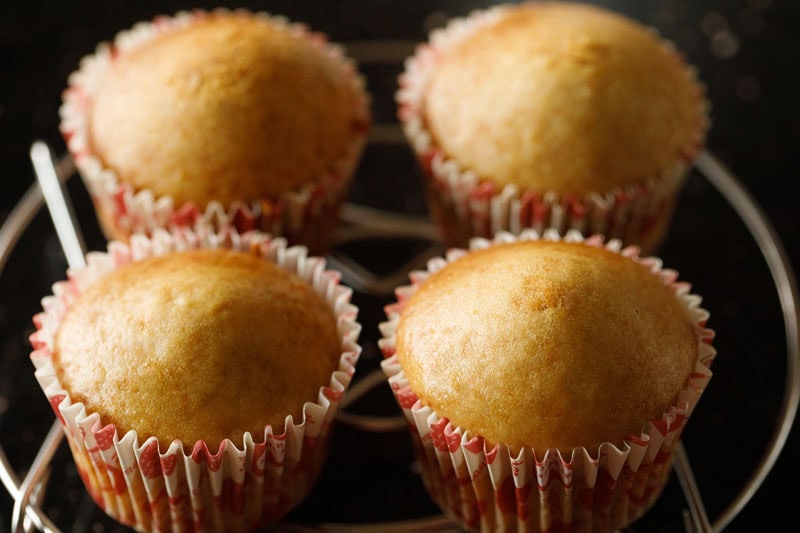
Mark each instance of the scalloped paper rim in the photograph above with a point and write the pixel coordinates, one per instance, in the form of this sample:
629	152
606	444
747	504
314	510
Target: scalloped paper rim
486	488
236	486
628	213
142	211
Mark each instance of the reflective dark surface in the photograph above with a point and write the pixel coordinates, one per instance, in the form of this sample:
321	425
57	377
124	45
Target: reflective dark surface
748	53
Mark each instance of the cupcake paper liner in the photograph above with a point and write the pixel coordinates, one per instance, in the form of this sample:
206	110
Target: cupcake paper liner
500	488
305	216
155	486
466	205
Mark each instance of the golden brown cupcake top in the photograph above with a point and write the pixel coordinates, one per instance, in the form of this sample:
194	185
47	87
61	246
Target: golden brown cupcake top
197	345
230	108
564	97
546	344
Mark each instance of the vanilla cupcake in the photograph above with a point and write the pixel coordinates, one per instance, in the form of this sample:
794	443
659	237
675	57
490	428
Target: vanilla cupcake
197	375
223	117
546	382
552	115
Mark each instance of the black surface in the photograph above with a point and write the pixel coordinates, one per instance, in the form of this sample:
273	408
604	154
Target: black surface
748	54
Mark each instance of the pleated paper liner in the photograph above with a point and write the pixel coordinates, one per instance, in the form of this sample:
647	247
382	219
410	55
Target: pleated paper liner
153	486
305	216
466	205
501	488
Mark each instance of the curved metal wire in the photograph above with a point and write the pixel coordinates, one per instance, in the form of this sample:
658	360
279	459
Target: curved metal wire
780	267
10	233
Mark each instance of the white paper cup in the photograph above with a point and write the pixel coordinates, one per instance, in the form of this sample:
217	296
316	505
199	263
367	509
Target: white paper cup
504	488
305	216
467	205
155	486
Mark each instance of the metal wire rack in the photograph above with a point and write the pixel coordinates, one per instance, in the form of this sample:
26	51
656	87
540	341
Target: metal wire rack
361	222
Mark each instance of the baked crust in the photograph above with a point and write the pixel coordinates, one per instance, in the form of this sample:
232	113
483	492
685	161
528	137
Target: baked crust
546	344
564	97
197	345
232	107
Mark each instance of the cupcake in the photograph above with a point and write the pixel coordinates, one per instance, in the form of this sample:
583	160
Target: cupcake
223	117
546	382
552	115
197	376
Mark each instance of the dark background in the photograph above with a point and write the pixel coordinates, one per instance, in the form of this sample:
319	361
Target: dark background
748	55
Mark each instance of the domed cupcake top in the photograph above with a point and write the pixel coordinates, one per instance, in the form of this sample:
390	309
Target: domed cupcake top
547	344
564	97
230	107
197	345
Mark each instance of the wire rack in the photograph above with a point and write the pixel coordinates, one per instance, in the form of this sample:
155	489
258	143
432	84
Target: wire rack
360	223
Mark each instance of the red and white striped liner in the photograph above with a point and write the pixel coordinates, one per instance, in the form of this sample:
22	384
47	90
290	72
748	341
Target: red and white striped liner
155	486
502	489
635	214
131	211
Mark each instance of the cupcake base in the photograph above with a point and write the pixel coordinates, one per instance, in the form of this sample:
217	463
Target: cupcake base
463	209
312	225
